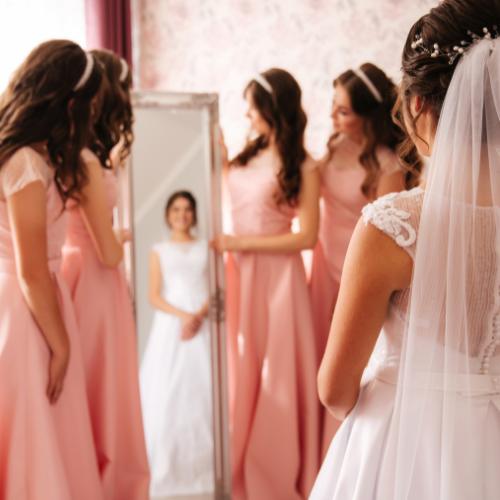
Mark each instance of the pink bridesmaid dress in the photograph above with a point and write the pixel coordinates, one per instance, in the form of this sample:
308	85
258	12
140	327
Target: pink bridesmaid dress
341	181
107	332
272	363
46	451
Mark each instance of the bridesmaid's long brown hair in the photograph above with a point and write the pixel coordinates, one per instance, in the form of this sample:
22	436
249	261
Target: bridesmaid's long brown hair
282	110
40	105
115	116
380	128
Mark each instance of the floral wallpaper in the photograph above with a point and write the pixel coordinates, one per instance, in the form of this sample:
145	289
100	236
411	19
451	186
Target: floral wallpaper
216	46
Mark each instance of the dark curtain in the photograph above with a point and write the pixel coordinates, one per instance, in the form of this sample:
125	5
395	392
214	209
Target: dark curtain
108	26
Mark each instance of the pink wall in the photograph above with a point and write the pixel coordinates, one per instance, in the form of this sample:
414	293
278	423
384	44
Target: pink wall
216	45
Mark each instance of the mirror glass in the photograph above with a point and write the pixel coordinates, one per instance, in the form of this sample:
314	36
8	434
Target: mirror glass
173	191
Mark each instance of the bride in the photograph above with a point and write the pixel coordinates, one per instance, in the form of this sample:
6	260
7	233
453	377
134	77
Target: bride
413	357
175	370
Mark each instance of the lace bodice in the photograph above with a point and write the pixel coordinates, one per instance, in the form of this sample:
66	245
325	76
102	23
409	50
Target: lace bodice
398	216
184	271
22	168
25	167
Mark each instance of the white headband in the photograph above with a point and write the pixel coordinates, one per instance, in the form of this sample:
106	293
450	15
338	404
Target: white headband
124	71
261	80
89	66
373	90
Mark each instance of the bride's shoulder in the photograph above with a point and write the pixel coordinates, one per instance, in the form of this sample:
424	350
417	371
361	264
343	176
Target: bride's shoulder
398	216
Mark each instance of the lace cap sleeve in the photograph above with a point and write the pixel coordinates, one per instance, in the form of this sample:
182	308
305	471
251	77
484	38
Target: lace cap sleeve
22	168
397	215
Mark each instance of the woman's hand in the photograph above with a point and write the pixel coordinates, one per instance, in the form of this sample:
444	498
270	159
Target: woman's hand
190	325
58	365
227	243
223	150
123	235
203	312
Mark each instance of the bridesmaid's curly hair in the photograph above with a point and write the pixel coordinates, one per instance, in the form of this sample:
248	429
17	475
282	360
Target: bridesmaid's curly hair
40	106
378	124
115	117
282	110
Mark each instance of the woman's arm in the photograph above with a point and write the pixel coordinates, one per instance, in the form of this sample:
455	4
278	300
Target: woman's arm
155	285
374	268
95	212
306	237
190	322
224	155
27	216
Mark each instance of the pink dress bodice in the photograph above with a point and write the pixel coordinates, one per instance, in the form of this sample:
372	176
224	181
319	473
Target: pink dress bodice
341	181
26	166
253	189
77	231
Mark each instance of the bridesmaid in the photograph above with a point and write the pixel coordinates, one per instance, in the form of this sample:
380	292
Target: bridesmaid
46	447
361	164
92	254
176	387
274	407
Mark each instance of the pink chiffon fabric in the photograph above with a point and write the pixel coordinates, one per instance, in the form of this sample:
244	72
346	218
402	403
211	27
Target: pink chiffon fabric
342	201
272	364
46	451
107	332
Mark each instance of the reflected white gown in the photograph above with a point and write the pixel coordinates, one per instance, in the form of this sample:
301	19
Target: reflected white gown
176	379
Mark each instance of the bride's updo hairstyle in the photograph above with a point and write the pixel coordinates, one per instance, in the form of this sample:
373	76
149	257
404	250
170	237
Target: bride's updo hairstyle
435	44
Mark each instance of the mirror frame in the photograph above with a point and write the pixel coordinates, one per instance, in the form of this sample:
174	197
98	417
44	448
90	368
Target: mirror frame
208	104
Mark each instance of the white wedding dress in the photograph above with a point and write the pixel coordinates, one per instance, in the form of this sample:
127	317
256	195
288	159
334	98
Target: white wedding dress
361	461
426	425
176	380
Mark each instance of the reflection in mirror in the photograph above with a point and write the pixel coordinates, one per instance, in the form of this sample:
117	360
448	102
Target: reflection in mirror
174	184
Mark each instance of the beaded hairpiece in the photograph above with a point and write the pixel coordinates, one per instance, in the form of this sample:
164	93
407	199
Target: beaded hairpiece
457	50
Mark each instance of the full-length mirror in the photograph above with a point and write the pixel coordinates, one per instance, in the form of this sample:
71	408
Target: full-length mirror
174	192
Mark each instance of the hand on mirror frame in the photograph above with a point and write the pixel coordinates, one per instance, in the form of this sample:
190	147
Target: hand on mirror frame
223	149
123	235
226	243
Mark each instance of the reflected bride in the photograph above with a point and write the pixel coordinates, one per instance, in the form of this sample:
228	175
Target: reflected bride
175	372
